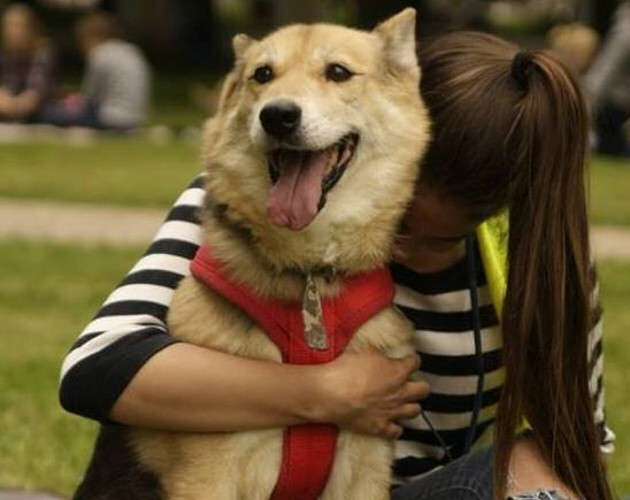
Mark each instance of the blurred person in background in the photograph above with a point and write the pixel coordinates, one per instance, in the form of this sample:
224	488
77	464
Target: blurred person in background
575	44
116	85
27	65
607	85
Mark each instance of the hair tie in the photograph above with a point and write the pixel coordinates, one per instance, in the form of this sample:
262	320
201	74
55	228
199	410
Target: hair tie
521	68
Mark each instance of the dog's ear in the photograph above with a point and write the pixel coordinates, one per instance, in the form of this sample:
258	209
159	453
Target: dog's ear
228	87
399	35
240	44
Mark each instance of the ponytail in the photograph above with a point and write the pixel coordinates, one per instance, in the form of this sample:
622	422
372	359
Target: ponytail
510	130
547	314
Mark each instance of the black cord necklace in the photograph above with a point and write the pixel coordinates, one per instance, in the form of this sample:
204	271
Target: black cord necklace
471	264
471	258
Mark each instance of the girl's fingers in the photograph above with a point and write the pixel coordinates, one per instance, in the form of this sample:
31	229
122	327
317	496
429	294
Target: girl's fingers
408	410
409	364
393	431
414	391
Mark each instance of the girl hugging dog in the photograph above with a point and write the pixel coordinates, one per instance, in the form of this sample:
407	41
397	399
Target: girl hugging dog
500	209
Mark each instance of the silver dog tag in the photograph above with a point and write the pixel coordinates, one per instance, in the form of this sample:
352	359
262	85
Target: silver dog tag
313	316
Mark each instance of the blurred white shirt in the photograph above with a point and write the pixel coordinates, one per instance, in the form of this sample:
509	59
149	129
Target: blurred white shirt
608	79
118	84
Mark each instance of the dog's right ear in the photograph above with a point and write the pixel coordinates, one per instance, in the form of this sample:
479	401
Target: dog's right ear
228	87
240	44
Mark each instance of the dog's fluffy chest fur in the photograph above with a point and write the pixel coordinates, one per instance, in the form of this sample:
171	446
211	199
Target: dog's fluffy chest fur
246	464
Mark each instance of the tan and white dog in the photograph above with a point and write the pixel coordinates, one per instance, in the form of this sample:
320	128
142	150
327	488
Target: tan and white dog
311	161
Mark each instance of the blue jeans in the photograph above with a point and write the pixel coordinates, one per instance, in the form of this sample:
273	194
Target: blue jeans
86	116
467	478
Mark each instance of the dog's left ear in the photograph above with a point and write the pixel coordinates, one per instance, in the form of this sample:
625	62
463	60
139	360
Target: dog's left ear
399	35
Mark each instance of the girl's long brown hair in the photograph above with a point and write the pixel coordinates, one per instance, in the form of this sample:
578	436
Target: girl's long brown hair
510	131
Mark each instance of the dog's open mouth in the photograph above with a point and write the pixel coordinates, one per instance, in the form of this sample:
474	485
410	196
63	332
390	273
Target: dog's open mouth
302	178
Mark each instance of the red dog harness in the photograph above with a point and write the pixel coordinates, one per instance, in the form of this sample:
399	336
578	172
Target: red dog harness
308	449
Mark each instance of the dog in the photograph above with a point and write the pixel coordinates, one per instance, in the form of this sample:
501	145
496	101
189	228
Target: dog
311	162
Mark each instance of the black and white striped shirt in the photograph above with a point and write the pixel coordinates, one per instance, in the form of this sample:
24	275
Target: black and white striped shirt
130	327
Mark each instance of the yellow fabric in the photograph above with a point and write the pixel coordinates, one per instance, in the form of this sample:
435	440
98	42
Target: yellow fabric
492	236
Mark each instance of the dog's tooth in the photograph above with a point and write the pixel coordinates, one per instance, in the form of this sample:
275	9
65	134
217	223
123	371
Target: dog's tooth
346	154
332	158
339	153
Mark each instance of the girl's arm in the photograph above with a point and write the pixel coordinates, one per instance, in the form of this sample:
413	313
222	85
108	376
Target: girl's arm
189	388
39	84
126	367
25	103
130	327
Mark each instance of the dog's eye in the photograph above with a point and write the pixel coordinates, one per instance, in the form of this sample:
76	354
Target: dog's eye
263	74
338	73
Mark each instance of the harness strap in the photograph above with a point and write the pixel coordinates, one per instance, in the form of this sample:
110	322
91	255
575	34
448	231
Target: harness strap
308	449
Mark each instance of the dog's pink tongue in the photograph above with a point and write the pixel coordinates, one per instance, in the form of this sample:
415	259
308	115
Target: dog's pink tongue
294	199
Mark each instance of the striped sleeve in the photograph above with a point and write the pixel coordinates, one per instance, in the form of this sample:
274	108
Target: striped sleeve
596	377
130	326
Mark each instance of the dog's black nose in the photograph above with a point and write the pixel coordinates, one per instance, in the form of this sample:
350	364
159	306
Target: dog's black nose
281	118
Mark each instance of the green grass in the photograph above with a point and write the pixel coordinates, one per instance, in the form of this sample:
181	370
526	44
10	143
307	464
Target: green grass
119	171
47	295
49	292
615	282
138	173
610	191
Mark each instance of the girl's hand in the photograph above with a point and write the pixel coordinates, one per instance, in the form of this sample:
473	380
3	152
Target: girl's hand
367	392
7	104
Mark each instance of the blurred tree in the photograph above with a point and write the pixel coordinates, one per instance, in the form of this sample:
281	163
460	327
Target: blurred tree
108	5
304	11
176	33
201	33
602	11
371	12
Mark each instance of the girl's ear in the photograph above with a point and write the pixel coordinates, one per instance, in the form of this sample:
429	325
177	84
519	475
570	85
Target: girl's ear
399	36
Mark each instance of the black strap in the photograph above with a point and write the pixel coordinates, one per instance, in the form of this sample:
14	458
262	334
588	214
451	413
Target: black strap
471	257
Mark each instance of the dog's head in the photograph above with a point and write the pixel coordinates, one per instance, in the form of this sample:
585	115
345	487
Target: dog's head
317	141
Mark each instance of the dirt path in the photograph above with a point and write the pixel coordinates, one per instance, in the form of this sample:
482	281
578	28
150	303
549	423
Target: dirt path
78	222
98	224
611	242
